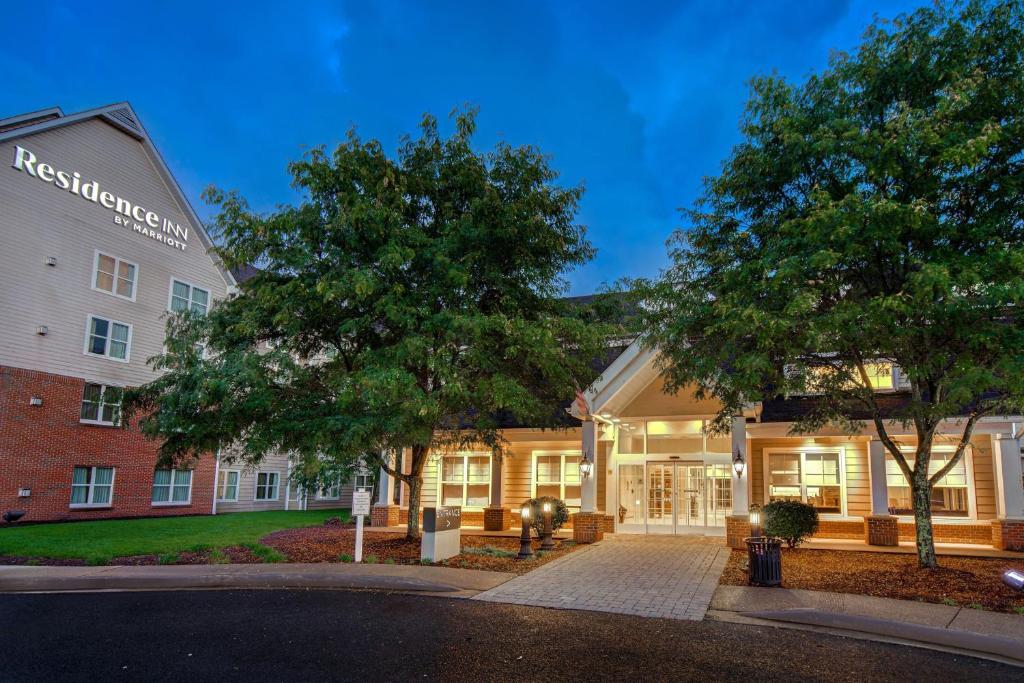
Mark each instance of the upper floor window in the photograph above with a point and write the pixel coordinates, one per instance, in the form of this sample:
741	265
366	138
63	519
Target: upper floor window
950	496
115	276
101	404
466	480
558	476
92	487
364	481
172	487
108	338
186	297
812	477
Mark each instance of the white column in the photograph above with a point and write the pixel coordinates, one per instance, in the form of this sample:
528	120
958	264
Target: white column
1009	488
588	485
740	499
879	480
386	484
497	465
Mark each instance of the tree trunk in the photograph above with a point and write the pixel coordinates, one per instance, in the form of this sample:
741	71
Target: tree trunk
921	495
412	529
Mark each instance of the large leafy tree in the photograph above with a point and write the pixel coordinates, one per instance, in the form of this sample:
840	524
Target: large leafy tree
871	214
407	303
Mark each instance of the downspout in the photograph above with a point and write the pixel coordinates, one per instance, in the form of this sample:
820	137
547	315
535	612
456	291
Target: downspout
288	484
216	480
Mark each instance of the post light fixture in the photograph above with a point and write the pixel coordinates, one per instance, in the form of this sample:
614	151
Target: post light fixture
756	529
738	463
525	550
547	542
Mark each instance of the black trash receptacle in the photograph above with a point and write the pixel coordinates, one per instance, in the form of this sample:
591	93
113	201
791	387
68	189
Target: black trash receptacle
764	555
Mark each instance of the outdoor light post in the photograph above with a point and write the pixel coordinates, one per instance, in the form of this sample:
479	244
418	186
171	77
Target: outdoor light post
547	543
756	529
525	551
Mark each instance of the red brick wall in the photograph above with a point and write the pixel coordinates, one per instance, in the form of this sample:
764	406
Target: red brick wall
39	447
1008	534
980	534
829	528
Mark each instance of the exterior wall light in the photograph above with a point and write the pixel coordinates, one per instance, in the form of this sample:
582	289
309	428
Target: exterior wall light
738	463
35	401
586	467
525	550
51	261
42	330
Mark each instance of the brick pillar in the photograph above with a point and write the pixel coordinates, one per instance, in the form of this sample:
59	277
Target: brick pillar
1008	534
497	518
881	530
385	515
737	528
588	527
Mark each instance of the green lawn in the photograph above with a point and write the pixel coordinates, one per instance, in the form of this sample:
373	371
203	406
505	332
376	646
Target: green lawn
100	541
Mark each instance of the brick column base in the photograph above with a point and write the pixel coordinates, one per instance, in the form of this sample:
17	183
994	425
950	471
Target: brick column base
1008	534
384	515
497	519
737	528
588	527
881	530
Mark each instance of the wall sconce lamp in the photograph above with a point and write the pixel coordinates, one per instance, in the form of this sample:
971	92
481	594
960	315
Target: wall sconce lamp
586	467
42	330
738	463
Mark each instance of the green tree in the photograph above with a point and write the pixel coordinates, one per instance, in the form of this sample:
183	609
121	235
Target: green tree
871	214
408	303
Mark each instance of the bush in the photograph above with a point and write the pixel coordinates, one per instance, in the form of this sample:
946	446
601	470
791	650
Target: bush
790	520
344	557
333	522
559	513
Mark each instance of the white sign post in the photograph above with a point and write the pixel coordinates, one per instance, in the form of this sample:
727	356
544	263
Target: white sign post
360	509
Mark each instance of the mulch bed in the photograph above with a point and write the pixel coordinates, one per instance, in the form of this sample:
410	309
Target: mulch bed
328	544
964	581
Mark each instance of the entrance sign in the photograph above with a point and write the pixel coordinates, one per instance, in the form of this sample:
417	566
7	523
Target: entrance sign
360	509
442	533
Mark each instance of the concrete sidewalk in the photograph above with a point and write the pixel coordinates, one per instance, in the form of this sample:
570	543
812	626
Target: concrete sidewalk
450	582
992	635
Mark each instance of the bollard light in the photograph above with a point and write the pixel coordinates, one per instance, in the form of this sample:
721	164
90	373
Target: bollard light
755	521
525	551
547	542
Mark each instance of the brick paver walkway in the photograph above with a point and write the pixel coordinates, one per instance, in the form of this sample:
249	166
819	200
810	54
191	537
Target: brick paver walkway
650	576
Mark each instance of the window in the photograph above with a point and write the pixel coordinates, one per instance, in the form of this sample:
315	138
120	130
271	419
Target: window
227	486
186	297
364	481
108	338
101	404
466	480
812	477
330	491
558	475
92	487
267	485
114	276
949	494
172	487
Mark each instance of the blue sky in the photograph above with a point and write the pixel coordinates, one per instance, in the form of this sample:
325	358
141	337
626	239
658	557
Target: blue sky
637	100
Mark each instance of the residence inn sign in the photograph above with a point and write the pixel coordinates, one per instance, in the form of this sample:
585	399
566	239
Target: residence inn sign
126	213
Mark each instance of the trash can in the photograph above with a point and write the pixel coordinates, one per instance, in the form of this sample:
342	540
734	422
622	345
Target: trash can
764	556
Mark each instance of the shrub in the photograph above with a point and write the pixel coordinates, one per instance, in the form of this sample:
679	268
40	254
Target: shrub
489	551
333	521
559	513
344	557
168	558
790	520
371	559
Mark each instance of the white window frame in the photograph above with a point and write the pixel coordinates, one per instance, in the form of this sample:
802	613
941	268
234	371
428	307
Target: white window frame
569	458
972	494
191	288
91	487
324	492
465	455
88	337
802	450
117	262
367	484
221	488
170	502
99	421
277	486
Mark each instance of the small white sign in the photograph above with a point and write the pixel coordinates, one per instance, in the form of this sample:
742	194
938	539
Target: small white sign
360	503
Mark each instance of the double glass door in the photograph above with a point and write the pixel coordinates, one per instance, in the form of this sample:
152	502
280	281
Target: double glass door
676	497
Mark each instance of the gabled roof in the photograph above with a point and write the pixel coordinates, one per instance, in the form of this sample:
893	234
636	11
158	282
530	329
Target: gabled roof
121	116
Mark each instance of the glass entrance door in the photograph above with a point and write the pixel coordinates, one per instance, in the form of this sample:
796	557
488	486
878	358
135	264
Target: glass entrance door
692	508
661	498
